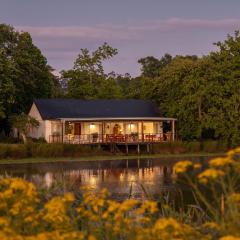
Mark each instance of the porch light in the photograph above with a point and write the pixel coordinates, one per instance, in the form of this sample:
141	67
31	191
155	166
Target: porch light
92	126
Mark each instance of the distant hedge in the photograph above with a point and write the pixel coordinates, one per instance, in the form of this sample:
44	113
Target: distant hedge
55	150
48	150
190	147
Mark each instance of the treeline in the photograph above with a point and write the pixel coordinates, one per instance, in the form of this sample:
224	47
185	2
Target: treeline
203	93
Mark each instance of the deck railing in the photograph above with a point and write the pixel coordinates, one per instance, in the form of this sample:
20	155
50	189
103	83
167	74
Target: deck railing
112	138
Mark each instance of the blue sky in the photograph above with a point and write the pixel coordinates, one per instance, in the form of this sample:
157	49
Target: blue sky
137	28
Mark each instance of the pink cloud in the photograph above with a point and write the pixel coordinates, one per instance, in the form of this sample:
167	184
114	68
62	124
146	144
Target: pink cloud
79	32
62	44
127	31
185	24
70	38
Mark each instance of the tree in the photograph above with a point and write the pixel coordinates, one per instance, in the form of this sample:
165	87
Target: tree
23	123
169	93
152	66
226	112
92	63
87	76
24	74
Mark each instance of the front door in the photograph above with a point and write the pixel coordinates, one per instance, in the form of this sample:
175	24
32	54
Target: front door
77	128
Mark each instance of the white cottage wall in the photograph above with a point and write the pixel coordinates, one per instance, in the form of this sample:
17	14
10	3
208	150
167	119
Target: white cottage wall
38	132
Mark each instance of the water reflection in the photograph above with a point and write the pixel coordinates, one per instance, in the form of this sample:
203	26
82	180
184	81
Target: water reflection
120	177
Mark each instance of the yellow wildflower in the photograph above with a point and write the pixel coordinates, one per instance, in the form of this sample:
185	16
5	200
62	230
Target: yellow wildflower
182	166
56	213
229	238
147	206
220	162
4	222
69	197
235	197
128	205
91	238
165	223
233	152
211	225
197	166
169	228
210	174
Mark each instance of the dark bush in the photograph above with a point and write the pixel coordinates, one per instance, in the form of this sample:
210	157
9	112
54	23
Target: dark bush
222	146
169	147
13	151
4	139
47	150
210	146
37	140
64	150
193	147
178	147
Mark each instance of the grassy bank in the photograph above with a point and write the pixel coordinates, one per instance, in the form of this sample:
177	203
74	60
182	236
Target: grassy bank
43	152
106	158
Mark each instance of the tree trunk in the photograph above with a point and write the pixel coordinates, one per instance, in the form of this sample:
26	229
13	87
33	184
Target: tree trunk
23	137
199	108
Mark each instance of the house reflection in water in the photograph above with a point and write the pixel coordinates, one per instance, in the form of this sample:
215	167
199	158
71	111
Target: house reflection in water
117	179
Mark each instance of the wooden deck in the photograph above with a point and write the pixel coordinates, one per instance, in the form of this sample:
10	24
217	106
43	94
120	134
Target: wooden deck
112	138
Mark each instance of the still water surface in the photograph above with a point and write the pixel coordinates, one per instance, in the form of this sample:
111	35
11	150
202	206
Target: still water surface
121	177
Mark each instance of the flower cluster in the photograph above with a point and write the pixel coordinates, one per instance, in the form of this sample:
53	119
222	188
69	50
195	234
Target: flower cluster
26	215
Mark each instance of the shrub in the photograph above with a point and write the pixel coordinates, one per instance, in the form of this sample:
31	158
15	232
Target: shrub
64	150
4	149
178	147
169	147
13	151
222	146
193	146
164	147
47	150
71	150
37	140
4	139
210	146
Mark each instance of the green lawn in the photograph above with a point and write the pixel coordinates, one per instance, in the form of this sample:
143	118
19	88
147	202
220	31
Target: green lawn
102	158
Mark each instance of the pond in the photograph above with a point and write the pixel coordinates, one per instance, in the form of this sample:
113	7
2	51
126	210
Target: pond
138	178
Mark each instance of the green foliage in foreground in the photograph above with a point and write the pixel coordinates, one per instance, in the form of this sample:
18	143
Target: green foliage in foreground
27	214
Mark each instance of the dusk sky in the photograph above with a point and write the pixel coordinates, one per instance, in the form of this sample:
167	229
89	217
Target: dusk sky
137	28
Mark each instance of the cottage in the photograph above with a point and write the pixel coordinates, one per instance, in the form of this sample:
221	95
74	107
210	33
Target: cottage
100	121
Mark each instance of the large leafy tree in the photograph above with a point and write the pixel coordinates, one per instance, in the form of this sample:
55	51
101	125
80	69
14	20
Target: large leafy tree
225	113
170	86
87	79
151	66
24	74
203	93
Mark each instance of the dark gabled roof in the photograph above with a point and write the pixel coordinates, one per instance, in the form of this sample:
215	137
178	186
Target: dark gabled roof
76	108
